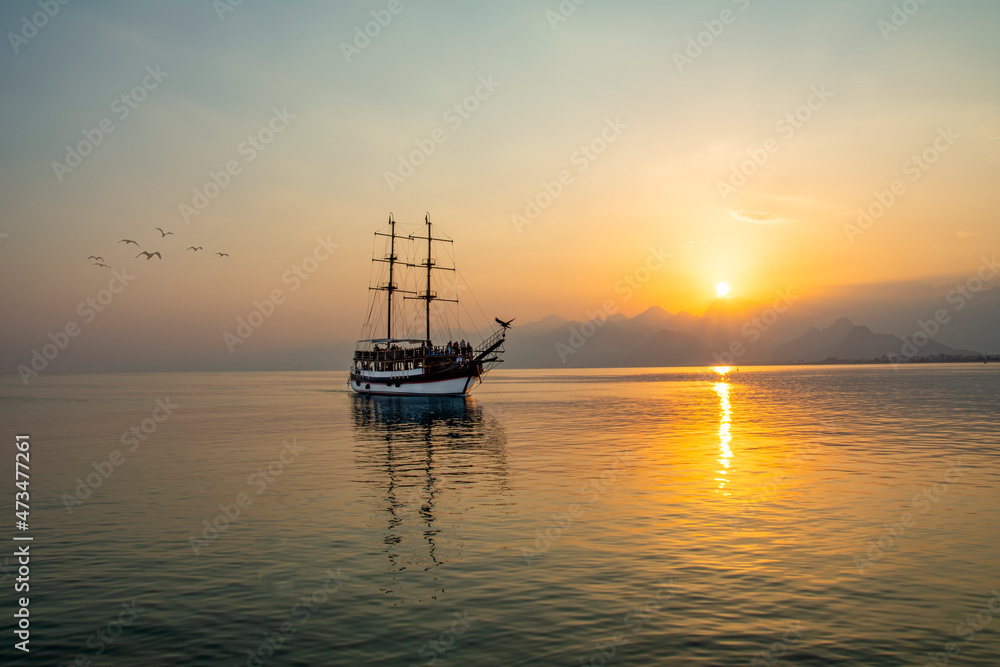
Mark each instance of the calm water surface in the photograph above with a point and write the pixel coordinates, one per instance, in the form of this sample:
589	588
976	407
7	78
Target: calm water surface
811	516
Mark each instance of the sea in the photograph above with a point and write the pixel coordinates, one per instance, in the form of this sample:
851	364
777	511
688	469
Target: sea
811	515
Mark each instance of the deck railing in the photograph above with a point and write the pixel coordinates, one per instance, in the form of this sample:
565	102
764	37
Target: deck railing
406	353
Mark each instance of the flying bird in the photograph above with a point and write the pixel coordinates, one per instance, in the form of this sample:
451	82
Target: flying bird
100	259
222	254
194	248
163	233
505	325
149	255
104	265
127	241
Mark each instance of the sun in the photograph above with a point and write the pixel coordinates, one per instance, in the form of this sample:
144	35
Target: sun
721	290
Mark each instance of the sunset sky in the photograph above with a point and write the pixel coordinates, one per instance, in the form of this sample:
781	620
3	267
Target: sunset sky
739	137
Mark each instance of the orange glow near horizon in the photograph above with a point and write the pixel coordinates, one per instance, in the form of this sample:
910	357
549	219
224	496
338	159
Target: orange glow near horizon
664	213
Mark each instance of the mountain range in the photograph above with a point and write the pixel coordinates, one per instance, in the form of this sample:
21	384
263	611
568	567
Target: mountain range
732	331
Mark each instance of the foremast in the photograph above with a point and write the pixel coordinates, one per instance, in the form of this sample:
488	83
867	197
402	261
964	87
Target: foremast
390	287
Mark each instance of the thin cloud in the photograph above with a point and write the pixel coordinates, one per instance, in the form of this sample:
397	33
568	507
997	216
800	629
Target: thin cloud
758	218
967	235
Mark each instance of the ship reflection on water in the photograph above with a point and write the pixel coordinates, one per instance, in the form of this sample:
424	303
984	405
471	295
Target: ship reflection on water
426	461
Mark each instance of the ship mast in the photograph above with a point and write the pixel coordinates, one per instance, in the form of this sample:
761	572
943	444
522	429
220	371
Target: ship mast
430	262
390	286
430	295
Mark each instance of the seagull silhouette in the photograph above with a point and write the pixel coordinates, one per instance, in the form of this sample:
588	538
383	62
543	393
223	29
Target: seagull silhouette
163	233
101	259
505	325
222	254
149	255
104	265
127	241
195	249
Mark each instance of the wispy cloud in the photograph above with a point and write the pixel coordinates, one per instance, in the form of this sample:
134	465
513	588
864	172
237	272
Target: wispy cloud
758	218
967	235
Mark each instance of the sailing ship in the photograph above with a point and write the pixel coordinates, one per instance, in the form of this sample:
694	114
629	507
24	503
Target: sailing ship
400	362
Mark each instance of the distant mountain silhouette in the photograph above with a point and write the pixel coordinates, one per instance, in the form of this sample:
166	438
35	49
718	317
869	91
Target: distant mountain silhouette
668	348
658	318
863	343
554	342
816	343
657	337
843	340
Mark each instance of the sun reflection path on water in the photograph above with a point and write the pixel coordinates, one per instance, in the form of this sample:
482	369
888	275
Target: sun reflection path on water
725	412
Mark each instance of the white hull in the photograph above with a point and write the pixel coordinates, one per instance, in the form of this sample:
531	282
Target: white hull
451	387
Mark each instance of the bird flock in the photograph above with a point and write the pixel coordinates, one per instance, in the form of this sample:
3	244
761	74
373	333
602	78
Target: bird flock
99	261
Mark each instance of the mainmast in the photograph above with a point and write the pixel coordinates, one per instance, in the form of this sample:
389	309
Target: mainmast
390	287
428	294
430	263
